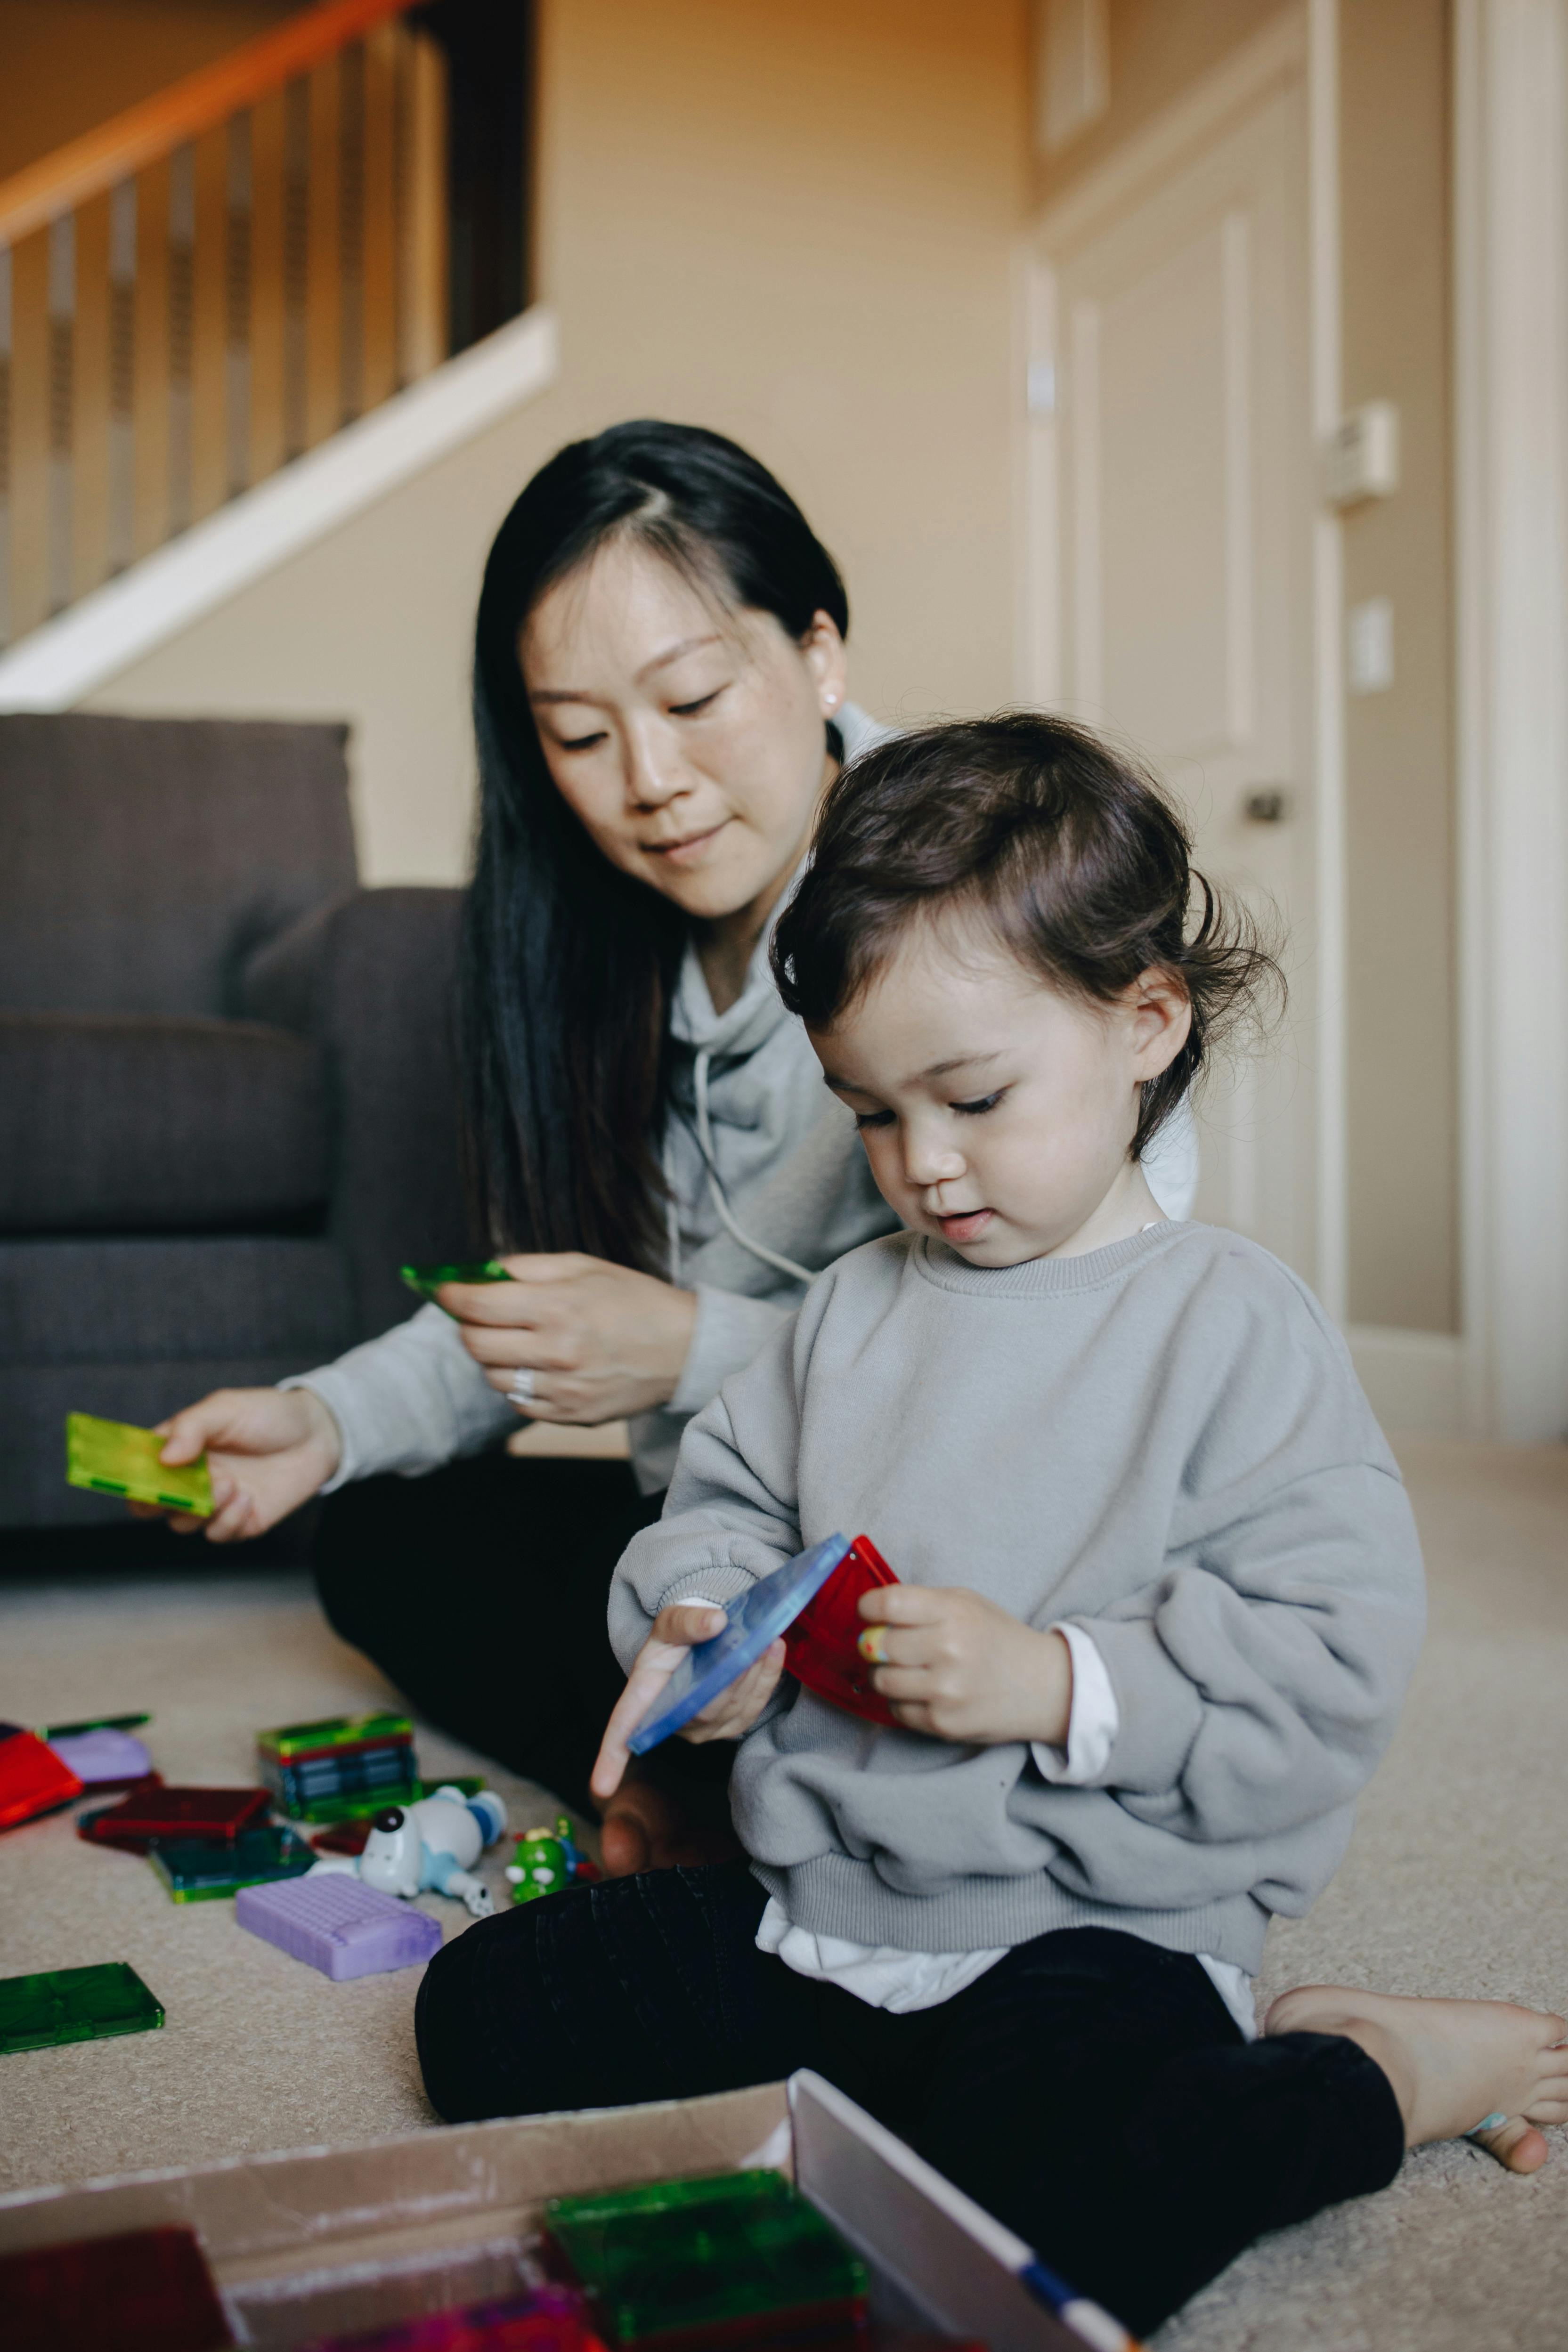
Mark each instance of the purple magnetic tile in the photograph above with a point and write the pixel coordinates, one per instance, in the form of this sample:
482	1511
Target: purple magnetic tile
98	1756
338	1925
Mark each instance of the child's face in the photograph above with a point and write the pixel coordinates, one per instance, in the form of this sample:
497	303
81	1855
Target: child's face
996	1112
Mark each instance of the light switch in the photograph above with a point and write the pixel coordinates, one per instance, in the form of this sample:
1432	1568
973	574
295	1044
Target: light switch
1360	456
1371	666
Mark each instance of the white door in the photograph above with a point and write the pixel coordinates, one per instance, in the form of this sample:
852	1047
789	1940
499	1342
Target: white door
1171	514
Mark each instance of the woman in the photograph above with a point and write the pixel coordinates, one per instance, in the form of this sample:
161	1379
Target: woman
660	698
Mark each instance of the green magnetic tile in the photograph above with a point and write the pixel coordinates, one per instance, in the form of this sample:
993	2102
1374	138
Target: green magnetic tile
291	1739
75	2005
362	1806
675	2256
392	1766
380	1759
114	1457
427	1279
195	1870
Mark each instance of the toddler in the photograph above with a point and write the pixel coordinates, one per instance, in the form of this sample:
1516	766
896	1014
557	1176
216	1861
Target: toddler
1159	1597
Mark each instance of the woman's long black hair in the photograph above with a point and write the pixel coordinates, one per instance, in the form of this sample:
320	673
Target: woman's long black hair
567	964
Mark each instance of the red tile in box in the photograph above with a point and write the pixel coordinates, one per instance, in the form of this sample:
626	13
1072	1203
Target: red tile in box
549	2319
147	2292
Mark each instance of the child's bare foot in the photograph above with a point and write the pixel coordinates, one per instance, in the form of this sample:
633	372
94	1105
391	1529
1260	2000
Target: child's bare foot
1453	2065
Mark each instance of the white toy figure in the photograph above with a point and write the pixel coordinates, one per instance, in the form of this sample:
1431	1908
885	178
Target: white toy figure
432	1845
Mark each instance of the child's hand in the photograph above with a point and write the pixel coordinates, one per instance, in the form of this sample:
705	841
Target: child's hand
676	1630
951	1662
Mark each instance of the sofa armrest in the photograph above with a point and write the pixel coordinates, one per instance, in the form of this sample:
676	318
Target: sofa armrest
279	981
373	979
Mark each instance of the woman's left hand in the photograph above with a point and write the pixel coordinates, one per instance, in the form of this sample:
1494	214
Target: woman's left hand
948	1662
590	1341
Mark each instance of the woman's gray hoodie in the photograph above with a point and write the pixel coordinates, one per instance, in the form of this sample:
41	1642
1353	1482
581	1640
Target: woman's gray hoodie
786	1166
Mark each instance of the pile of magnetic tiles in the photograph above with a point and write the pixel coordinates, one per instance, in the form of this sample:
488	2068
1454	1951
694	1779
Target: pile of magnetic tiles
207	1843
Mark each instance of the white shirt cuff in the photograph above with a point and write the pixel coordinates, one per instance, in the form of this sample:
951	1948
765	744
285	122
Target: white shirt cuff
1093	1724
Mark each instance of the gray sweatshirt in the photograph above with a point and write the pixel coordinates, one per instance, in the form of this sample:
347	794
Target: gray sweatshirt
789	1166
1162	1442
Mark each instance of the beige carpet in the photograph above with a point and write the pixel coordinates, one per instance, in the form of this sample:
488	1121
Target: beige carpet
1455	1884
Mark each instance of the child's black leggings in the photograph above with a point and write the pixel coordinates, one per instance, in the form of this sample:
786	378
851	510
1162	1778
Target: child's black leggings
1091	2090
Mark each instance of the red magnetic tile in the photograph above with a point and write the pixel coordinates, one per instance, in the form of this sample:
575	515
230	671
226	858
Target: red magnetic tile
549	2320
147	2292
820	1647
33	1779
344	1837
148	1814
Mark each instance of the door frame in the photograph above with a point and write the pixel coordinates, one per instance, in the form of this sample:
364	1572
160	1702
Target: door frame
1301	43
1509	83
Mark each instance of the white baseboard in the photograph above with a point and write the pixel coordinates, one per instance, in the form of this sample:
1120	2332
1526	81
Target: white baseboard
1414	1380
52	668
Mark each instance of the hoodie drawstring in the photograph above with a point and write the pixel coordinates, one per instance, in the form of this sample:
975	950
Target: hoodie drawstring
671	1213
716	1190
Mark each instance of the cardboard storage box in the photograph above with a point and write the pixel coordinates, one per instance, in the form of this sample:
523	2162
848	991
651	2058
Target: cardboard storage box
332	2239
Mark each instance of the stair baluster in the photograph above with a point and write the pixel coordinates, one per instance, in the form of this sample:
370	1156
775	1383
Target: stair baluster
216	281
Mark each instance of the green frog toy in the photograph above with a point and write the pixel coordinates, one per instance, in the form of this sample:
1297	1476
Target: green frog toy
546	1861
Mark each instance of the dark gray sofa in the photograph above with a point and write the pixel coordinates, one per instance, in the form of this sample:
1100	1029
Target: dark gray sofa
227	1093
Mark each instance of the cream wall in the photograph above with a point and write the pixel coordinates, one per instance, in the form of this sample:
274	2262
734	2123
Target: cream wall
791	222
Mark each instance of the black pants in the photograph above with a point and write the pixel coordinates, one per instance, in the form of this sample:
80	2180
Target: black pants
479	1591
1093	2091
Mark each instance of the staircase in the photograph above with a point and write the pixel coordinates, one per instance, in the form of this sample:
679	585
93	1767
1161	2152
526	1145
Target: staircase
260	263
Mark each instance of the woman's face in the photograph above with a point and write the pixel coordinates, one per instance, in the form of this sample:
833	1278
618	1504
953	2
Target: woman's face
686	736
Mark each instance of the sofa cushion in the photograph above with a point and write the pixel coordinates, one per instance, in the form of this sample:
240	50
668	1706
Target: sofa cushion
146	859
160	1303
131	1124
134	1330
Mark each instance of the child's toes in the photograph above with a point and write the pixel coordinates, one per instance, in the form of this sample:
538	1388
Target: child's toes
1517	2145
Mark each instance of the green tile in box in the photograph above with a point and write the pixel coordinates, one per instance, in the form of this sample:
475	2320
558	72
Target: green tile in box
730	2256
75	2005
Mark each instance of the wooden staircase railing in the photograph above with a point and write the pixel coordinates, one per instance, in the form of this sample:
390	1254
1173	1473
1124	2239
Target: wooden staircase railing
211	284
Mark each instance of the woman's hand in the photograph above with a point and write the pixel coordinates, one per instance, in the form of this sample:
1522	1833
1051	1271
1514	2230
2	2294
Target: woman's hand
269	1451
952	1663
601	1341
676	1630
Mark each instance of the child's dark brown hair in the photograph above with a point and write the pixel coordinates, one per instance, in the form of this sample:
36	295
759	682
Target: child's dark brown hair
1070	854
